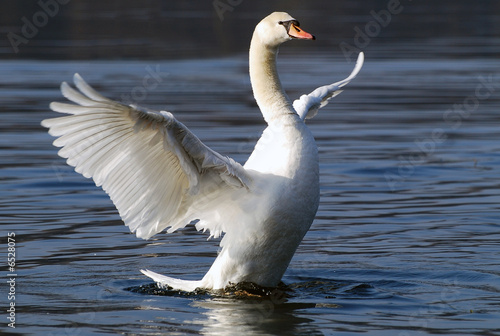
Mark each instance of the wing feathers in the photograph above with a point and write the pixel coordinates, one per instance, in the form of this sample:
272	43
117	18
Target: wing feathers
69	108
88	91
75	96
307	106
150	164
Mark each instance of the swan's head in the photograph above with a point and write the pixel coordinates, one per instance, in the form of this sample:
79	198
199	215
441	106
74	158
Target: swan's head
280	27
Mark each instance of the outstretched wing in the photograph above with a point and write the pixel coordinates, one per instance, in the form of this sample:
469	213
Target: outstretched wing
307	106
150	164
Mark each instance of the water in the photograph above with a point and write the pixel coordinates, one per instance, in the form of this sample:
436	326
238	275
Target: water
405	241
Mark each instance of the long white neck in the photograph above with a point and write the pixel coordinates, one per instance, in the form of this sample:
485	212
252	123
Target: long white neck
270	96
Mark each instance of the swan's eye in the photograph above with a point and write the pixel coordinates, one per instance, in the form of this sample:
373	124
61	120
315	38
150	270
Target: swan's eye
289	24
286	24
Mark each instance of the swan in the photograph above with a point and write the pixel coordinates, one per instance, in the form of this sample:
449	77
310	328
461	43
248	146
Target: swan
161	176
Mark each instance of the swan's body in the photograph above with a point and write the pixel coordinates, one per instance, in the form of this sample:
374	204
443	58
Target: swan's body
160	175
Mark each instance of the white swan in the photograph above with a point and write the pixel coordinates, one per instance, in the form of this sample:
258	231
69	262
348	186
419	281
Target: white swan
160	175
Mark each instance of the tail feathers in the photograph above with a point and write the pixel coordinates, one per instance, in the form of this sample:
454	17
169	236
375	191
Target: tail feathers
178	284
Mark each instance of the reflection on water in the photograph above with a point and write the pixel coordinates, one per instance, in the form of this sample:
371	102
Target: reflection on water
224	317
405	241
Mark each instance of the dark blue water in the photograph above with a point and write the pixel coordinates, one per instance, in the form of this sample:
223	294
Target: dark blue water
405	242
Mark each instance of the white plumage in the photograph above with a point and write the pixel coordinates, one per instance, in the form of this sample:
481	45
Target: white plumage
161	176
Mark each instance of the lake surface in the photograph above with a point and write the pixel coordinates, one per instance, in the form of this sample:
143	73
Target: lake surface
405	242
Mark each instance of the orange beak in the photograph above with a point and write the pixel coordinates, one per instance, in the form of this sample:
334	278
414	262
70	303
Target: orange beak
298	33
